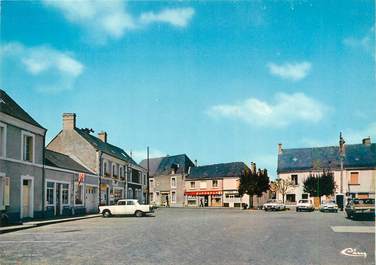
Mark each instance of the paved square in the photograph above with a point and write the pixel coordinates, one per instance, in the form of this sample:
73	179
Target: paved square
193	236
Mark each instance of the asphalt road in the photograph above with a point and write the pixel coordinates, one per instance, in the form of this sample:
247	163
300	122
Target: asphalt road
195	236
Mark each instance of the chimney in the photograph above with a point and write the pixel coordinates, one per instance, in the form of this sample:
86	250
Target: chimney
69	121
253	167
103	136
366	141
280	150
195	162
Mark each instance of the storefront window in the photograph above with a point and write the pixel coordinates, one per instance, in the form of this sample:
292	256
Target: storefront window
65	193
50	193
118	194
78	197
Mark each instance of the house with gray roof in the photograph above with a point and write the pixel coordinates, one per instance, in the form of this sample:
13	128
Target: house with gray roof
70	188
358	175
21	162
120	176
167	179
215	185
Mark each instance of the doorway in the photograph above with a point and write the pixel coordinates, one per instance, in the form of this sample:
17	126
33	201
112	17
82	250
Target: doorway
27	197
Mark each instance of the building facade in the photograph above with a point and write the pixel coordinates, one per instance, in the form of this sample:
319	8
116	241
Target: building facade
358	174
215	185
120	176
167	179
21	162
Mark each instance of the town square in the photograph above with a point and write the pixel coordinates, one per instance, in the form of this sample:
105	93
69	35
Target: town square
187	132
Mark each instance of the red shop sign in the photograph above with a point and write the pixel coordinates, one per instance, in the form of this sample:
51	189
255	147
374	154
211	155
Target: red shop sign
196	193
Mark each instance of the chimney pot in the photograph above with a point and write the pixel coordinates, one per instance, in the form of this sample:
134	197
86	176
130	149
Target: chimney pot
367	140
280	150
195	162
103	136
69	121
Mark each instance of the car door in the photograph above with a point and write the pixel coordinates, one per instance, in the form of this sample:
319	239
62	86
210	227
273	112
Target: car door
121	207
131	207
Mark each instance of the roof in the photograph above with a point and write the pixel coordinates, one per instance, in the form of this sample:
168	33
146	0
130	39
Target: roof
55	159
10	107
356	156
233	169
105	147
163	165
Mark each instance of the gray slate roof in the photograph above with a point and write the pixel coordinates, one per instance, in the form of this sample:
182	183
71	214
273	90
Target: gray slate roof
163	165
55	159
233	169
10	107
356	156
106	147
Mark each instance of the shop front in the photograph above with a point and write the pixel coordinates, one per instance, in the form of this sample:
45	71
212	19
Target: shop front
207	198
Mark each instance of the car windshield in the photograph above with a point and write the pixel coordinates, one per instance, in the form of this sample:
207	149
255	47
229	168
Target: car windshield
364	201
303	201
270	201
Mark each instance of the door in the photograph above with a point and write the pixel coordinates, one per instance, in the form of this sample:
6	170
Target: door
26	198
90	199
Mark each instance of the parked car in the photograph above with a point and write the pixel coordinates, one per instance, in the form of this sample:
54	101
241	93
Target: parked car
360	207
274	205
126	207
305	205
329	207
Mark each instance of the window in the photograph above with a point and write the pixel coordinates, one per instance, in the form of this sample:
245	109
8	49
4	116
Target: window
65	193
151	183
151	195
215	183
136	176
129	174
192	185
290	197
305	196
2	139
50	193
105	169
121	203
173	182
27	147
121	172
4	191
294	179
130	203
114	170
173	196
78	195
354	178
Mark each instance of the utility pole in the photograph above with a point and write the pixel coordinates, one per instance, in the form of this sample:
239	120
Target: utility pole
147	177
341	156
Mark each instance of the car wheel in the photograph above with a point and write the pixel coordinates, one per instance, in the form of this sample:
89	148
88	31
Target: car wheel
106	213
138	214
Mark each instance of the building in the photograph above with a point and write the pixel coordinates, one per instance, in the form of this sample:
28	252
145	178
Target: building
359	168
70	188
21	162
120	176
215	185
166	179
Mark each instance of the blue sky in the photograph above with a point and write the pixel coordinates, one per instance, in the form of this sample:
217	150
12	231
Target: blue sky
219	81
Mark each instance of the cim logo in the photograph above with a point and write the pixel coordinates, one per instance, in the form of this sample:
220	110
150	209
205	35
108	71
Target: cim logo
352	252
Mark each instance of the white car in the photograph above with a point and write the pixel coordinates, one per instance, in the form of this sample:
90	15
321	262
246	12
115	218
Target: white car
273	205
126	207
329	207
305	205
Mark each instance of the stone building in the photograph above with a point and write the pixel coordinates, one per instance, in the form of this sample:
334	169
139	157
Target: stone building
120	176
21	162
166	179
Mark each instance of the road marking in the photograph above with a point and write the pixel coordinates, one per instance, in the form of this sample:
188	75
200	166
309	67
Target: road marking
354	229
34	241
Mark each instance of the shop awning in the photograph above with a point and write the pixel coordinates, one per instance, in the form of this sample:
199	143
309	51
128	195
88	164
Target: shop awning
204	192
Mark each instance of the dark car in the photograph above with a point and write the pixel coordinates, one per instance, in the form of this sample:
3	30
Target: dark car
360	208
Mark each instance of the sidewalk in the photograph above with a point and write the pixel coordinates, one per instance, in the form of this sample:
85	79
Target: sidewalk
32	224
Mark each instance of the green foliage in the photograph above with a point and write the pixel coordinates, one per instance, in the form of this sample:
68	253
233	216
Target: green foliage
254	183
318	185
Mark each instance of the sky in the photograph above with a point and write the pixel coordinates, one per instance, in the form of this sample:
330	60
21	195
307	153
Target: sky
219	81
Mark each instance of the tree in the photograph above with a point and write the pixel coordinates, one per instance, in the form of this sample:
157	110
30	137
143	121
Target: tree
318	185
281	186
253	183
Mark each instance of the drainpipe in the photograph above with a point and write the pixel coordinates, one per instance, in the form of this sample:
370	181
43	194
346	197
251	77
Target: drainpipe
43	174
99	178
147	179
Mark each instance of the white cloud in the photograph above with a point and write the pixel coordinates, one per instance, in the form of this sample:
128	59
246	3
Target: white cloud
105	20
365	43
140	155
290	71
44	61
178	17
284	110
102	19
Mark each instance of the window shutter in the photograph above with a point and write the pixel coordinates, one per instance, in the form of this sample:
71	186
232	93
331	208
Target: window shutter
7	191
